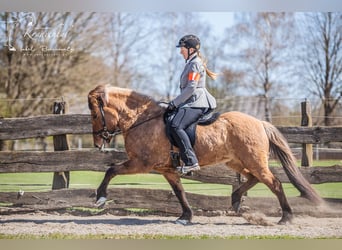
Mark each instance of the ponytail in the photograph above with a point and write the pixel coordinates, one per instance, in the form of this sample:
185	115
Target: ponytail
209	73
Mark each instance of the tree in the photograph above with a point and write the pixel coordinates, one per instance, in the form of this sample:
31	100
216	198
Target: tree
43	57
261	42
128	36
322	59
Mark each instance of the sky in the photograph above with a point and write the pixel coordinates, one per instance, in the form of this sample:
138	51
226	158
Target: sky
219	20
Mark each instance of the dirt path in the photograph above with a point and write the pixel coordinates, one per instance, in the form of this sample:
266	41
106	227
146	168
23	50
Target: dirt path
43	224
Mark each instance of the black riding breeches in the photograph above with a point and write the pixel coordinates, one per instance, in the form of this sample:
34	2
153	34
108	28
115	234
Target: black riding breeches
182	120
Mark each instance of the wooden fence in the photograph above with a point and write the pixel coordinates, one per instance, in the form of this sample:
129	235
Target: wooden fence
165	201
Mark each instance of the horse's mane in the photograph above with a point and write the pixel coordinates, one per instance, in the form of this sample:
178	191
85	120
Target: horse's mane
131	97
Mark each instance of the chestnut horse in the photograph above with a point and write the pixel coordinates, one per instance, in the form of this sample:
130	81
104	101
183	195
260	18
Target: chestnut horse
240	141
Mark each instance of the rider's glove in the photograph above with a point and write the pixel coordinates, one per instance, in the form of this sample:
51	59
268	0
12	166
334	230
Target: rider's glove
171	106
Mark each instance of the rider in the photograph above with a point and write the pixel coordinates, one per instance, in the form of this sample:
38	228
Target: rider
193	101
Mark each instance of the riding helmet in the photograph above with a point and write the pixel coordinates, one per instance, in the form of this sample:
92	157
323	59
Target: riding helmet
189	41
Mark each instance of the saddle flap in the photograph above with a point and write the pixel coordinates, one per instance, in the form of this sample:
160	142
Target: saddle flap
208	118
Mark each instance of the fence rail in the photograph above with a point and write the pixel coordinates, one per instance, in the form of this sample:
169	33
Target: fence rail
61	161
49	125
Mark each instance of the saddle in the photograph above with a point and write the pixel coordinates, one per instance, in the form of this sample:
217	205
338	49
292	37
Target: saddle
206	119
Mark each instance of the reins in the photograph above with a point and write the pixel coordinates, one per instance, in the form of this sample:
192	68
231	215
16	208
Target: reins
106	134
147	120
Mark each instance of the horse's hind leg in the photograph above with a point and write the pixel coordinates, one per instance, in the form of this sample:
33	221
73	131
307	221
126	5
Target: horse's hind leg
237	194
175	183
276	187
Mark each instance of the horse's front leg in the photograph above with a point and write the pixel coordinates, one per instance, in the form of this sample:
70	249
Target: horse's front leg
128	167
175	182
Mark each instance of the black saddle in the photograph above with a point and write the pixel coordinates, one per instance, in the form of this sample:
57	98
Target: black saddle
206	119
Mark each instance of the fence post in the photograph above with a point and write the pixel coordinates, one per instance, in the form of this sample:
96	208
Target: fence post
60	143
307	153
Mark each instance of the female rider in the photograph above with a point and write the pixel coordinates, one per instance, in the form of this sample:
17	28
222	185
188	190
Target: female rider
193	102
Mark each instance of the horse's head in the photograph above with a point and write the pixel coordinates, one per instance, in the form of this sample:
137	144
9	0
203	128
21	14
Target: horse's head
104	119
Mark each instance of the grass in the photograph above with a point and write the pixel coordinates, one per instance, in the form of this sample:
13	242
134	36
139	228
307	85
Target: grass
322	163
34	182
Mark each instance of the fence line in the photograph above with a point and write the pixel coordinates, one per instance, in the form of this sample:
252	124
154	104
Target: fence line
93	160
50	125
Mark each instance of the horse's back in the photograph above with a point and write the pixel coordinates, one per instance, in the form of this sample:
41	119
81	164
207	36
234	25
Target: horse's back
245	127
233	126
241	120
236	115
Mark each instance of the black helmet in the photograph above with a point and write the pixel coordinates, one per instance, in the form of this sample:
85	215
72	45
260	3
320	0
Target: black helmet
189	41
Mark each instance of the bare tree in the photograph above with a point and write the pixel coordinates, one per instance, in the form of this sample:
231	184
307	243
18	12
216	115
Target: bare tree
322	58
167	62
43	57
127	38
261	41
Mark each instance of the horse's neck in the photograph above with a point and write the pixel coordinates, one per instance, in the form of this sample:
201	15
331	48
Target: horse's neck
134	111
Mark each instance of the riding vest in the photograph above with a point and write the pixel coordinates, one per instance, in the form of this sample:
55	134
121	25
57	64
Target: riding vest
192	85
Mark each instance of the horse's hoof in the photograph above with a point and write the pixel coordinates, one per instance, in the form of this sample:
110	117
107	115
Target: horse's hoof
182	222
285	221
101	202
236	207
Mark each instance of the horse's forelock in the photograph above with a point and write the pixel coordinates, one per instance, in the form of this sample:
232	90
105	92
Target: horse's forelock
90	100
97	96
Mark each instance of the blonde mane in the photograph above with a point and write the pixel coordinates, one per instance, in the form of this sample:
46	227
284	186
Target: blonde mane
132	99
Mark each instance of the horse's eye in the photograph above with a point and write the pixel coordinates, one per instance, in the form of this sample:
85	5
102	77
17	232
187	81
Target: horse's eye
94	116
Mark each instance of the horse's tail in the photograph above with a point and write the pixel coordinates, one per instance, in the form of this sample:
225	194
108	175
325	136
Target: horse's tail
279	147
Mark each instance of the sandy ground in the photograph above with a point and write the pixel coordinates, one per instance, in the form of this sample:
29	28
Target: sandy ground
43	223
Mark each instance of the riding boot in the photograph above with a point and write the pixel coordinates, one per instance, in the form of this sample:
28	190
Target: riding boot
187	153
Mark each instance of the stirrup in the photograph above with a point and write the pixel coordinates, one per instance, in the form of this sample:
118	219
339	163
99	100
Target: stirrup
187	169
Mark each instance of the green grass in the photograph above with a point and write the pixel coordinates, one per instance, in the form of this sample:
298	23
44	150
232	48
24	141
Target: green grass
13	182
322	163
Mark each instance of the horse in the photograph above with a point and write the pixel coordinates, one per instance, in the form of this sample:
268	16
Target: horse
240	141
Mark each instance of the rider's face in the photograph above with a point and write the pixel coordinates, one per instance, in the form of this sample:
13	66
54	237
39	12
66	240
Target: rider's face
184	52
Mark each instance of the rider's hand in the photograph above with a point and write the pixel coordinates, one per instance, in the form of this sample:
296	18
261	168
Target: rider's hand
171	106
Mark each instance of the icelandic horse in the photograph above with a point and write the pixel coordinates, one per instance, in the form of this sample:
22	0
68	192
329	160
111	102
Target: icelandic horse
239	141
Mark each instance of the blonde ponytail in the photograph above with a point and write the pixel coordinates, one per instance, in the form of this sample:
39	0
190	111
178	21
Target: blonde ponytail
210	73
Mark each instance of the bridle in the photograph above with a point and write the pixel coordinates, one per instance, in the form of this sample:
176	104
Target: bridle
104	132
107	134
